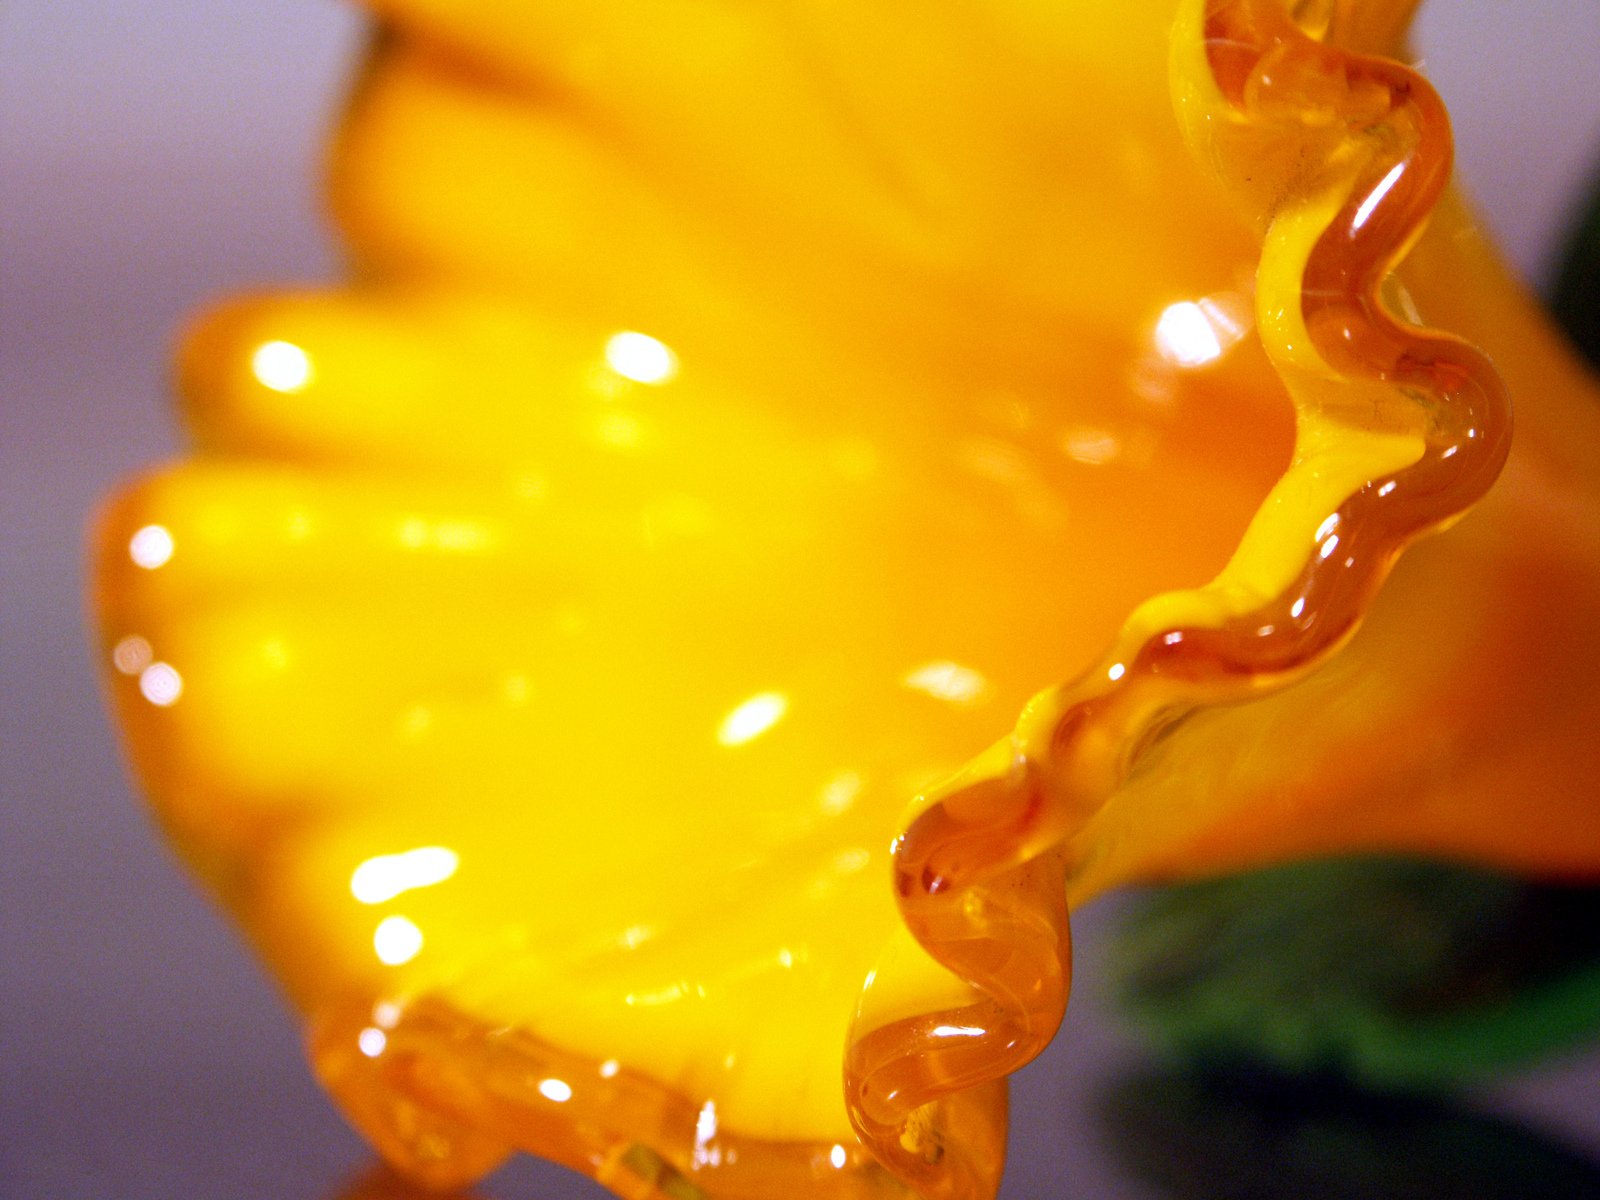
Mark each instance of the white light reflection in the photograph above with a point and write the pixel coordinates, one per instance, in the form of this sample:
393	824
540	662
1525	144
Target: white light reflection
1193	333
1117	671
557	1090
161	684
396	941
838	1157
1370	204
385	876
281	366
131	655
705	1129
1185	337
609	1068
1298	607
947	681
958	1031
752	718
150	547
371	1041
641	358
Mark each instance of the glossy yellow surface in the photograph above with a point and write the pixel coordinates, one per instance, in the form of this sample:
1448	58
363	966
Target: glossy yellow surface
736	416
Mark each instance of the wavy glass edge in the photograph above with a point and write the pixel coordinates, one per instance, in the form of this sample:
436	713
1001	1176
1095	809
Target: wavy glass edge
1399	431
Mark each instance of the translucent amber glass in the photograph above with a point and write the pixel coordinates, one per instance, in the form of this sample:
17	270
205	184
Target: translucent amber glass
585	651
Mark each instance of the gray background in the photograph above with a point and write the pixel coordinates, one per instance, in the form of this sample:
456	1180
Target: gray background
153	156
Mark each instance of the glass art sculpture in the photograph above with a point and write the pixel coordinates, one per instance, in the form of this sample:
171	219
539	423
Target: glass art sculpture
585	651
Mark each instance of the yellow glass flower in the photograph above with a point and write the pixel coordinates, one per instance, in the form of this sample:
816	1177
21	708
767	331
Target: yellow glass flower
572	648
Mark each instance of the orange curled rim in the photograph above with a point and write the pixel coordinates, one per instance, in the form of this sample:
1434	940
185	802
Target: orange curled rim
449	1097
979	873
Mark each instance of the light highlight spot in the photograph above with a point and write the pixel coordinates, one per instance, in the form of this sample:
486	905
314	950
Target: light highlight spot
371	1041
840	792
1370	204
385	876
131	655
396	941
752	718
386	1014
667	995
848	862
1092	447
1184	336
557	1090
151	547
161	684
1193	333
838	1157
641	358
636	935
705	1132
947	681
281	366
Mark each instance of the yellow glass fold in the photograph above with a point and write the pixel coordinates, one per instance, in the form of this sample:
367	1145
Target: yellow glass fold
585	650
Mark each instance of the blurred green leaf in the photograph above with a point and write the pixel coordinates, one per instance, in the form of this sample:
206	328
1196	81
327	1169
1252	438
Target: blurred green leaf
1393	972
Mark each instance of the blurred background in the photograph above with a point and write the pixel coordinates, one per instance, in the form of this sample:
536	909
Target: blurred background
154	156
